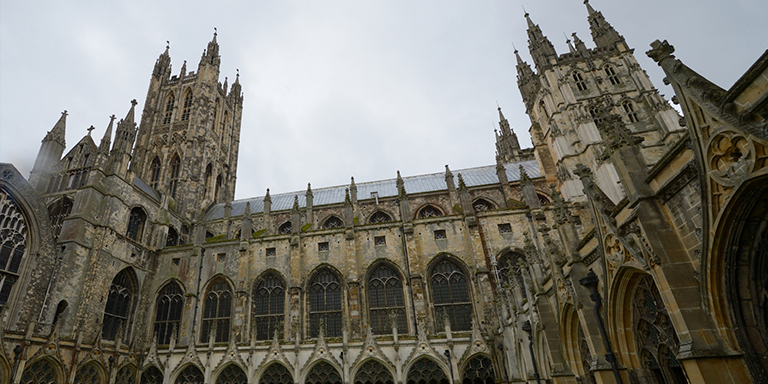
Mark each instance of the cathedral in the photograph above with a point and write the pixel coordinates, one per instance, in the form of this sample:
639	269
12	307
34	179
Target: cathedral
628	245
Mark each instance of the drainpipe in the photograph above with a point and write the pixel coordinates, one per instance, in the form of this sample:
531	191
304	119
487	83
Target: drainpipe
590	281
529	331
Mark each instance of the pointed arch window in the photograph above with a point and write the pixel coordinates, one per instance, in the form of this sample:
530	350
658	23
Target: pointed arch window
479	370
323	373
426	371
120	304
175	170
169	108
217	192
232	374
217	311
276	374
268	305
126	375
40	372
187	105
333	222
224	123
285	228
152	376
58	212
169	307
154	172
173	237
373	372
325	304
629	108
207	180
136	224
429	211
578	79
481	205
595	114
190	375
385	300
379	217
215	115
450	295
612	76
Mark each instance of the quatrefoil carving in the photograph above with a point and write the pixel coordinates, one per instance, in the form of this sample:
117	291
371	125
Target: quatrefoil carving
731	157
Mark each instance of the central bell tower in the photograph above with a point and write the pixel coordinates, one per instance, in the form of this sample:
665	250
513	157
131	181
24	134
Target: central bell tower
188	140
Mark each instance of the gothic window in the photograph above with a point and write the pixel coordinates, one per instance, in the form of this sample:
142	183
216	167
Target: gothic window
152	376
120	304
595	114
426	371
154	171
482	205
173	237
232	374
325	304
89	374
169	108
216	311
333	222
450	295
217	191
654	335
207	180
190	375
136	224
385	300
379	217
479	370
612	76
629	108
169	306
224	123
508	267
373	372
323	373
276	374
543	200
175	168
285	228
429	211
60	308
578	78
126	375
215	113
268	305
58	212
40	372
187	105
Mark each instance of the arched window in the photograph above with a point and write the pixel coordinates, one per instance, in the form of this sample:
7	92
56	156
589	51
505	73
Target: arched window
169	108
120	304
187	105
385	299
285	228
379	217
323	373
58	212
543	200
429	211
268	305
40	372
190	375
629	108
207	180
13	229
126	375
481	205
215	114
450	296
578	78
173	237
152	376
479	370
232	374
333	222
169	306
325	304
426	371
595	114
612	76
216	193
175	169
154	171
276	374
60	308
89	374
217	310
373	372
136	224
224	123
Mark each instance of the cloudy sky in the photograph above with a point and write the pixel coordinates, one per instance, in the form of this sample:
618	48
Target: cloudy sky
333	89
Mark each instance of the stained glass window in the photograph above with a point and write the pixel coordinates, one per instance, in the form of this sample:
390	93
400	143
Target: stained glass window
232	374
479	370
323	373
373	372
136	224
216	311
429	211
385	298
276	374
117	313
152	376
88	374
325	304
40	372
482	205
126	375
13	237
285	228
450	295
333	222
426	371
268	305
190	375
170	304
379	217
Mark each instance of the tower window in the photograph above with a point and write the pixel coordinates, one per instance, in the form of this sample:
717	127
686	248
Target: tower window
612	76
154	170
169	108
630	110
175	167
215	114
224	123
58	212
136	224
187	106
207	180
218	188
595	114
578	78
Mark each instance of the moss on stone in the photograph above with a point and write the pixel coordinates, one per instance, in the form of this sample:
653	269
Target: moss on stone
259	232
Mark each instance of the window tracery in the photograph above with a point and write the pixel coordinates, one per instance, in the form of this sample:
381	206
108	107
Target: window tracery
379	217
373	372
325	304
450	295
169	108
268	305
136	224
323	373
333	222
578	78
612	76
187	105
190	375
629	108
126	375
479	370
40	372
385	298
117	313
152	376
426	371
154	170
429	211
58	212
175	169
276	374
217	311
481	205
169	307
232	374
88	374
285	228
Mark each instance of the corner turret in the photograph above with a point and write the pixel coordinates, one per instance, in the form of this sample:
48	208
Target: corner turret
542	50
603	34
48	156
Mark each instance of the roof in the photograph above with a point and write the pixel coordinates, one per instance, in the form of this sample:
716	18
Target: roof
433	182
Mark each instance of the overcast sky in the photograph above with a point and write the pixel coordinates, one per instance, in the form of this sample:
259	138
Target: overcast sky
333	89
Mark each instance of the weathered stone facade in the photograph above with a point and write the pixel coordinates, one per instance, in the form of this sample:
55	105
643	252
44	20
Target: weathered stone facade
129	262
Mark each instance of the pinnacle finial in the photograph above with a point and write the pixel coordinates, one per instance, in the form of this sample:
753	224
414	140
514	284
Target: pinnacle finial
167	44
134	102
89	129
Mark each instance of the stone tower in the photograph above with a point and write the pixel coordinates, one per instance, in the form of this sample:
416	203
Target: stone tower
566	94
188	139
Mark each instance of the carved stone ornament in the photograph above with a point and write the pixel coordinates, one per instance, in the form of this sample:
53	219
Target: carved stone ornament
275	354
731	157
371	350
232	355
615	252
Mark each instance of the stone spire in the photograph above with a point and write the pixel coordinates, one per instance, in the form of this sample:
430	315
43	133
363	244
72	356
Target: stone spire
51	149
603	34
527	81
106	141
507	145
580	46
163	64
211	54
542	50
125	135
59	131
353	190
